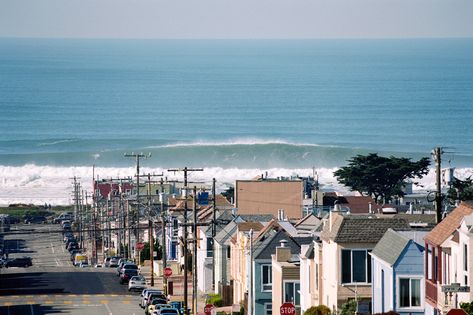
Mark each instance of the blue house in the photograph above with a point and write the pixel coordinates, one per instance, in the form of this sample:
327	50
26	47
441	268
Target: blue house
398	273
264	246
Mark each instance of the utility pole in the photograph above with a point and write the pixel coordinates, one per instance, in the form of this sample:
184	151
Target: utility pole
437	154
214	231
185	170
194	256
250	290
164	222
137	156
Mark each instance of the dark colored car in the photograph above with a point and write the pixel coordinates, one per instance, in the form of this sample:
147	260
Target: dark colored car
127	274
40	219
19	262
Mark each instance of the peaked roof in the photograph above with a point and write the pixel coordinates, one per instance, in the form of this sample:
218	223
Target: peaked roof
449	224
361	228
391	246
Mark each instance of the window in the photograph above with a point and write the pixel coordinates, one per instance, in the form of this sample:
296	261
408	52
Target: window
266	278
356	266
465	257
292	293
228	253
210	247
316	276
409	292
268	309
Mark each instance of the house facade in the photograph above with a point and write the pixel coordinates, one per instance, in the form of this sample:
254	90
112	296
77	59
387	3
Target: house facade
446	259
398	273
346	243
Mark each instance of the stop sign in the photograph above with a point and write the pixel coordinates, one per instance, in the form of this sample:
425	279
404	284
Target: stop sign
287	309
167	272
457	311
208	309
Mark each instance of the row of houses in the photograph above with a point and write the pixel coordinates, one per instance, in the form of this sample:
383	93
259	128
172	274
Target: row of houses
282	241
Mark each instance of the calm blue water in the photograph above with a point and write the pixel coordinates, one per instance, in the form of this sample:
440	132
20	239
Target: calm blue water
247	103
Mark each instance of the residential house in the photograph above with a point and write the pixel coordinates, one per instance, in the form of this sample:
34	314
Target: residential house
268	196
286	282
398	273
447	258
264	245
240	251
346	243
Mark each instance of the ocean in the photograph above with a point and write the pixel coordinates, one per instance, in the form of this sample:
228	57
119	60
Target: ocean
237	108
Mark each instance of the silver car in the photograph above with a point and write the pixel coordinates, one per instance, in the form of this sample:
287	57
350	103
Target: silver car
137	283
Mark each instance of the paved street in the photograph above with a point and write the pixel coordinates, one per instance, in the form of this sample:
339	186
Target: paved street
52	285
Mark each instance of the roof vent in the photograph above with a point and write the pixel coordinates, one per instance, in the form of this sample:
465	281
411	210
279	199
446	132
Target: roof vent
283	243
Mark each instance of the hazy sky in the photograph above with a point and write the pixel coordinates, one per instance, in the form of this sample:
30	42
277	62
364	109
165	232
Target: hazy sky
236	18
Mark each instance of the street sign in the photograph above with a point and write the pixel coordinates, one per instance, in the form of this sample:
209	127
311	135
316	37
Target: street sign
167	272
140	246
457	311
208	309
287	309
455	287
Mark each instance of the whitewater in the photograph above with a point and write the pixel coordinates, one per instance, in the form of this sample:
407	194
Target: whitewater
237	108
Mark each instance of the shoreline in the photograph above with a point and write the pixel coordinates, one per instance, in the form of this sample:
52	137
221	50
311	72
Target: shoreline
33	184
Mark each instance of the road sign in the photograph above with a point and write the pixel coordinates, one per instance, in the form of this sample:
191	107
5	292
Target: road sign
457	311
287	309
208	309
455	287
140	246
167	272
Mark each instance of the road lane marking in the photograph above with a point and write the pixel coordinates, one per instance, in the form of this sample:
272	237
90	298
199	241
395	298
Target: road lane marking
72	295
49	302
108	309
8	303
67	302
30	302
85	302
32	310
126	302
103	301
52	247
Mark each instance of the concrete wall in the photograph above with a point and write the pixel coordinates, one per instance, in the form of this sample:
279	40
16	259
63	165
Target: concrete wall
268	196
377	291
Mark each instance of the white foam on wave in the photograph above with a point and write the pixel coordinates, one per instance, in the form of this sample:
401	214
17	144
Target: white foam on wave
53	185
231	142
56	142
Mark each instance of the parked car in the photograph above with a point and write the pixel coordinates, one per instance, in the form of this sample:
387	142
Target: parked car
127	266
114	261
84	264
38	219
106	261
152	296
121	263
137	283
146	293
166	311
62	217
156	304
127	274
19	262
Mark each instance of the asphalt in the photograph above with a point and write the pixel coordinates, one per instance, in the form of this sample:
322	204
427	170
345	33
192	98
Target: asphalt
52	285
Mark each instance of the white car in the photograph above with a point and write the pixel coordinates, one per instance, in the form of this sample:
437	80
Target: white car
137	283
145	294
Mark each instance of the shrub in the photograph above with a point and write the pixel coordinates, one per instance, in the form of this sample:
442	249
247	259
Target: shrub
318	310
467	307
214	299
349	308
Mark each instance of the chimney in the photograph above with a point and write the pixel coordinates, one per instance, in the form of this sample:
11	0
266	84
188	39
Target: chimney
283	252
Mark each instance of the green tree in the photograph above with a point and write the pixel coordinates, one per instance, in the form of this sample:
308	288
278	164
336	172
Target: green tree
467	307
317	310
229	193
380	177
348	308
461	190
